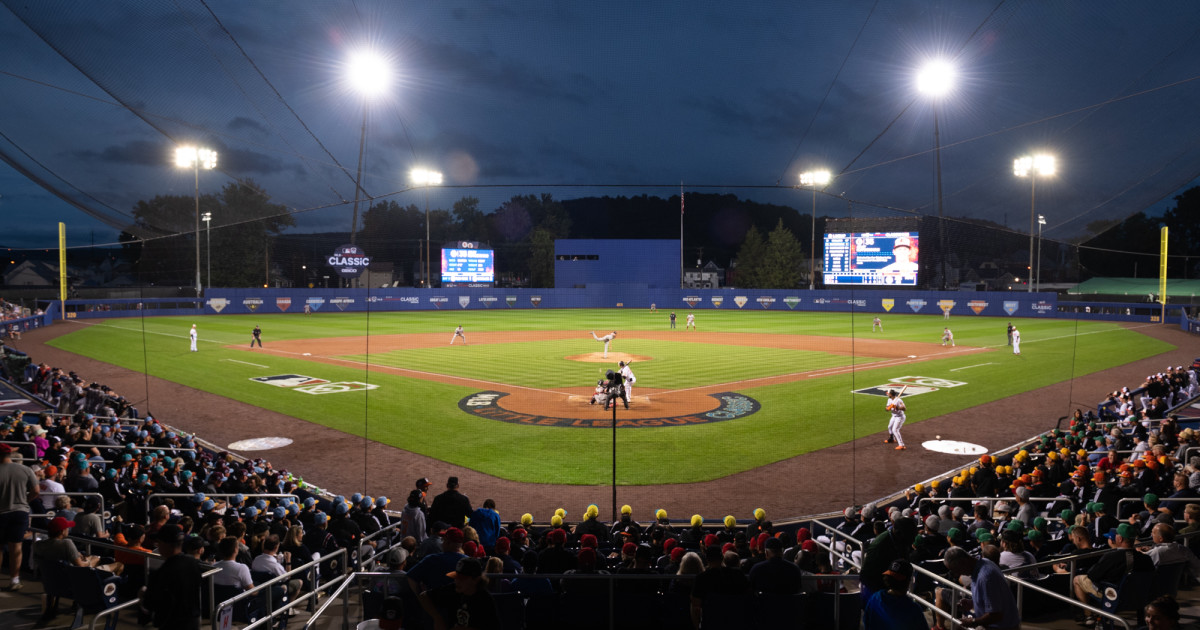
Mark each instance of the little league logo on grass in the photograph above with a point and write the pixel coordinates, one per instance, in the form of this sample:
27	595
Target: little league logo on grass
916	385
486	405
310	385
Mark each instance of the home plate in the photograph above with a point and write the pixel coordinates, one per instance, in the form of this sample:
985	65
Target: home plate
954	447
260	444
307	354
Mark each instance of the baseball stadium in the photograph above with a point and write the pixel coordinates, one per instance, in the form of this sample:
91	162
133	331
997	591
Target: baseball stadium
289	390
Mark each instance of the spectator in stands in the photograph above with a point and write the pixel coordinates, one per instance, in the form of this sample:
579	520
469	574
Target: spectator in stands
18	486
412	518
891	545
89	522
451	507
1013	554
466	600
1182	492
486	521
1166	551
431	571
992	603
555	558
1162	614
503	549
275	563
774	574
233	573
892	609
591	524
717	579
173	595
1112	566
625	529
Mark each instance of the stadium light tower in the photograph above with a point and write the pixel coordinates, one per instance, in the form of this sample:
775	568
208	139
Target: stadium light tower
195	158
368	74
426	178
812	179
207	218
1041	222
1032	167
936	81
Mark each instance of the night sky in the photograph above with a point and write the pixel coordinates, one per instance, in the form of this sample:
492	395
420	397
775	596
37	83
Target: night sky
577	99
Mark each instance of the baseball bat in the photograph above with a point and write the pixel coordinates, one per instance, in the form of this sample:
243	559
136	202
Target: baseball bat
901	393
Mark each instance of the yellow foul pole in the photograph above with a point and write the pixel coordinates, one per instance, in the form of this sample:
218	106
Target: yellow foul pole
62	270
1162	274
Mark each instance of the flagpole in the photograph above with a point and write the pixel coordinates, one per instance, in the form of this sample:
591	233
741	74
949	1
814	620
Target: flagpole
681	277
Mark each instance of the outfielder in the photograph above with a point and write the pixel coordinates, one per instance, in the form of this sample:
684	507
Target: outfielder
607	339
192	336
458	332
896	407
947	337
691	322
629	378
1016	339
876	324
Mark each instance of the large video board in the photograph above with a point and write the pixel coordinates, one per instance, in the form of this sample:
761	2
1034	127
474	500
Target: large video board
871	259
468	265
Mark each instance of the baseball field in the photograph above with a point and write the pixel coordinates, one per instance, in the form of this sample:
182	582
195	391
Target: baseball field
746	389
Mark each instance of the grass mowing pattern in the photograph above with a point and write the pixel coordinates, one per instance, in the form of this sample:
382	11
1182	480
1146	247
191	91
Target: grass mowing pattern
423	417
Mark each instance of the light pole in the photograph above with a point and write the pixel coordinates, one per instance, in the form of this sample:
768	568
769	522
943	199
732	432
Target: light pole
812	179
1041	222
369	75
207	217
194	158
1032	166
936	79
426	178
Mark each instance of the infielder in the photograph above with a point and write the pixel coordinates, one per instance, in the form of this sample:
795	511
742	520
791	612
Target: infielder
691	322
896	407
256	336
458	332
607	339
629	378
876	324
192	336
947	337
1016	338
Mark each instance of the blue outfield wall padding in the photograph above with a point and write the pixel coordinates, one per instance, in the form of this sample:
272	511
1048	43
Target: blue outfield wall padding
636	296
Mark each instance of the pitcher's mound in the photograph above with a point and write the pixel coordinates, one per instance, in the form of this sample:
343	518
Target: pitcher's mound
613	357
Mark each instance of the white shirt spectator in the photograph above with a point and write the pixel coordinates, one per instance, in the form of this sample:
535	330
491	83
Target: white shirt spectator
268	563
1174	553
233	573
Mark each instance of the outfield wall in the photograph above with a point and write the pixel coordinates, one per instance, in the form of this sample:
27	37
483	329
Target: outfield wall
959	304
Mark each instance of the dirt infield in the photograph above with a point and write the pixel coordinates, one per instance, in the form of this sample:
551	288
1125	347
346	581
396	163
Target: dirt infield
573	402
821	481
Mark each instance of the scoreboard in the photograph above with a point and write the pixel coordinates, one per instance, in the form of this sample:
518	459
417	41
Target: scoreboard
871	259
468	265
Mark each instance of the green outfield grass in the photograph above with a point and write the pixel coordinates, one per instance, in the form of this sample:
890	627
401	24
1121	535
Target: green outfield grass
423	416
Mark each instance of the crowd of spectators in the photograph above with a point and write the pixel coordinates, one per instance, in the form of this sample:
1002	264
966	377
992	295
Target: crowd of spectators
147	487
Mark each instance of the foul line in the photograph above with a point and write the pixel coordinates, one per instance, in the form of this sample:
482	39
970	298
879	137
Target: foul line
246	363
971	366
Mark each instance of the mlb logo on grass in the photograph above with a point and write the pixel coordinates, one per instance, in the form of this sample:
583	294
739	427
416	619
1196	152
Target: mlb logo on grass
336	388
916	385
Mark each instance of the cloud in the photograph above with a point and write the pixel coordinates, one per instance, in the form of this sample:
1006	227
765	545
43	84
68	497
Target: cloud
241	123
135	152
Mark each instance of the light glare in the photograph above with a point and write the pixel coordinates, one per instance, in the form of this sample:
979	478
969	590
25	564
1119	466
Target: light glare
936	78
815	178
368	73
189	157
1041	164
425	177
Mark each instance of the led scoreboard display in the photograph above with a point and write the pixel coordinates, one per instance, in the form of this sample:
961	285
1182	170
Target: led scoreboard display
871	259
468	265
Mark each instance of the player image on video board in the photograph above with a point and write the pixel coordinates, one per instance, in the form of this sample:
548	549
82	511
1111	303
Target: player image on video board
871	258
468	265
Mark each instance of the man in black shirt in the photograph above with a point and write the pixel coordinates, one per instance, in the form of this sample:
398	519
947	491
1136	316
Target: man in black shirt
717	579
173	593
775	575
464	604
1114	565
451	507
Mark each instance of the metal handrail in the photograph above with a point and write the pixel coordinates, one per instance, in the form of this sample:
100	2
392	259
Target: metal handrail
265	587
207	576
1161	500
1022	584
50	513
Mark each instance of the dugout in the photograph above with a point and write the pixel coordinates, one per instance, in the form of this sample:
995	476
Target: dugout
653	263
